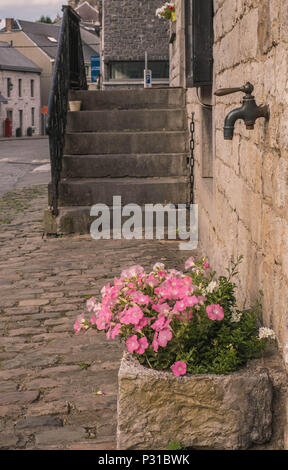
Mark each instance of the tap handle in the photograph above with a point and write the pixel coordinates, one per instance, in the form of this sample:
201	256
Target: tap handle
247	88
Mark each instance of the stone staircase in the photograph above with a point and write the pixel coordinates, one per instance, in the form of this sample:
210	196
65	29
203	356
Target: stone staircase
128	143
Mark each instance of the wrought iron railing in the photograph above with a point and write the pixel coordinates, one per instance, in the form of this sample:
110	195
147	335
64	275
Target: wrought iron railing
68	73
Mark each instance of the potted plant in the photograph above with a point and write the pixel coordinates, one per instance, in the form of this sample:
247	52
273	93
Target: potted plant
186	345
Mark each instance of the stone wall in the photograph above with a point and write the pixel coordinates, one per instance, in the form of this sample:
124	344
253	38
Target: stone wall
131	28
243	207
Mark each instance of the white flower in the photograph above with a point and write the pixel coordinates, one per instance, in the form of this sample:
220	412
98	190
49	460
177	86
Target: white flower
236	315
210	288
265	332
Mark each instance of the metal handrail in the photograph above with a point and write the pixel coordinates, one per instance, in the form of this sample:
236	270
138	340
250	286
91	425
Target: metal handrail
68	73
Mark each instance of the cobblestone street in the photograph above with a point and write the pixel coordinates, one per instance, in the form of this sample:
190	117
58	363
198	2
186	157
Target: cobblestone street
50	377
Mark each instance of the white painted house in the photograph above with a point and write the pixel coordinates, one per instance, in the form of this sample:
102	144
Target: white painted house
19	92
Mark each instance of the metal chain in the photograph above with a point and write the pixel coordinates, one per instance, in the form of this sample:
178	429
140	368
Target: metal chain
192	146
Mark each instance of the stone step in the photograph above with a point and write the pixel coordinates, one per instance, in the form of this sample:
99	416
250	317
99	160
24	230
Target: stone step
128	99
119	166
87	192
77	219
124	119
125	142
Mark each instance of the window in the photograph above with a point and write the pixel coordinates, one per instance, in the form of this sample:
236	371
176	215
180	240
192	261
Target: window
32	116
129	70
32	88
9	87
19	87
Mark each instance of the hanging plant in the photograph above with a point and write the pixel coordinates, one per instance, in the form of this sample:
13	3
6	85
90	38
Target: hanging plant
167	11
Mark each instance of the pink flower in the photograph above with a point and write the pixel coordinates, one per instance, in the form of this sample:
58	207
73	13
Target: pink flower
191	301
163	308
143	345
155	343
164	336
189	263
215	312
131	272
158	266
179	306
116	330
206	265
140	298
152	281
179	368
161	323
90	304
132	343
133	315
79	323
142	323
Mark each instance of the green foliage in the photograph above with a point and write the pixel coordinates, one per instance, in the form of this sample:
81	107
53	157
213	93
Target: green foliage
174	445
45	19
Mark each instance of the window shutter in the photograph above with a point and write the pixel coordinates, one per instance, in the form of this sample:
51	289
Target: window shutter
202	42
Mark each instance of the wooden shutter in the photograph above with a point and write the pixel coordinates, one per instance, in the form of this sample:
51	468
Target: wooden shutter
202	42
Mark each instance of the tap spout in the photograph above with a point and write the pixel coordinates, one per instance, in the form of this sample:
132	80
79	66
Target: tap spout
249	112
231	118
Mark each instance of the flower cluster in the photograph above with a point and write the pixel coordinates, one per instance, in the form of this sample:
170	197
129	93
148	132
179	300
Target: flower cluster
184	321
167	11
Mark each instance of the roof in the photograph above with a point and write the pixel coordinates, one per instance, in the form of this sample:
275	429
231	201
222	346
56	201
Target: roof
88	13
11	59
45	35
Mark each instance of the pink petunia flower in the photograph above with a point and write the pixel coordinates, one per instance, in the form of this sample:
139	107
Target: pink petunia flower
161	322
155	343
79	323
189	263
132	343
133	315
164	336
90	304
179	368
116	330
142	323
190	301
143	345
215	312
206	265
140	298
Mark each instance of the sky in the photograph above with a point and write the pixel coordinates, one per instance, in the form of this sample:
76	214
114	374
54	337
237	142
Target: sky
30	10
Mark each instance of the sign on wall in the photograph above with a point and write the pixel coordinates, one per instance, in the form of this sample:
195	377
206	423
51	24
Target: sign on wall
95	67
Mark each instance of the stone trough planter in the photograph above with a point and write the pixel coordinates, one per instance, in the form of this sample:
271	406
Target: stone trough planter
200	411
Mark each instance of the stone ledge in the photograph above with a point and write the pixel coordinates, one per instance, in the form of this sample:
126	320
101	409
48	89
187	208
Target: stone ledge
200	411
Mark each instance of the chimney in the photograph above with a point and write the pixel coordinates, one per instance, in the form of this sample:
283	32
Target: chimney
9	24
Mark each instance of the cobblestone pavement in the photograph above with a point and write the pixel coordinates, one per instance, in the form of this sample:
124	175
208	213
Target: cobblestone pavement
49	377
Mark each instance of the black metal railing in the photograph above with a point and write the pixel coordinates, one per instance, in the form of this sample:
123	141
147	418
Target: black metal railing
68	73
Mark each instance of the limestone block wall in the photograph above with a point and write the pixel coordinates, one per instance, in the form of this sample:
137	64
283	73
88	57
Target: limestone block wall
243	208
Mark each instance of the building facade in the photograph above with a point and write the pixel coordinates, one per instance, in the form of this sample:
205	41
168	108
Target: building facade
240	185
20	86
129	29
39	42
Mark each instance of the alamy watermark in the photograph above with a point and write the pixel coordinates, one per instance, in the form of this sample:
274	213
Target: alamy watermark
148	222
